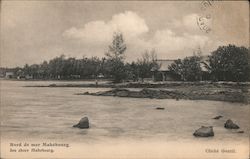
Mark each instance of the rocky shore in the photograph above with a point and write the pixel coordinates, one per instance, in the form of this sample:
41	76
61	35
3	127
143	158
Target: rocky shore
144	93
218	91
151	84
218	95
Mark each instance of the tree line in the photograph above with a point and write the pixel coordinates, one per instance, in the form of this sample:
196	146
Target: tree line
112	66
226	63
88	68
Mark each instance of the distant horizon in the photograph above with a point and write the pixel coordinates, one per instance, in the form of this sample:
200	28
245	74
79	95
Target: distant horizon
48	29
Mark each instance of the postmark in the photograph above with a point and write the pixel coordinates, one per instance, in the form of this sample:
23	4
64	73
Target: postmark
204	20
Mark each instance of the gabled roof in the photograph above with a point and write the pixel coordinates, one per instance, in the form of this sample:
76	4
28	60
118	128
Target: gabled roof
204	63
164	64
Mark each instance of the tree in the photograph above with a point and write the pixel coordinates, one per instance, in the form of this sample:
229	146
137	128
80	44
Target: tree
197	52
26	69
117	48
56	67
176	69
134	70
230	63
191	68
188	69
43	70
146	64
116	56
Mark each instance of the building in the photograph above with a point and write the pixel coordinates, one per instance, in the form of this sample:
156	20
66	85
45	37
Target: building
9	75
162	73
205	71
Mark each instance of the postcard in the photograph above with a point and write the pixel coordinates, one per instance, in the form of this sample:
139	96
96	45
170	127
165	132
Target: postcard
124	79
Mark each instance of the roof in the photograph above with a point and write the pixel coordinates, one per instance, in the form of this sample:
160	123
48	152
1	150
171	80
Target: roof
204	63
164	64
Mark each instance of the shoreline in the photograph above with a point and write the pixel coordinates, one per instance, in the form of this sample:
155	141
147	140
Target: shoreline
108	84
54	80
204	90
226	96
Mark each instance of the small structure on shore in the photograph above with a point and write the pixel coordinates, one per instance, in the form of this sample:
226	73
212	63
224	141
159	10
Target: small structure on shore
9	75
162	73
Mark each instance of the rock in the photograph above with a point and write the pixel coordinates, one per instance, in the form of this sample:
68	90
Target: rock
144	93
218	117
114	92
240	132
52	85
148	93
122	93
204	132
160	108
83	123
231	125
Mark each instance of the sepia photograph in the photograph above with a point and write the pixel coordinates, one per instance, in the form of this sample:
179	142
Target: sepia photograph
130	79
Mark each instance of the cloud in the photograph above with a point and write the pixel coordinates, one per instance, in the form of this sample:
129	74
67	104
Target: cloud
97	31
169	43
186	23
190	21
129	23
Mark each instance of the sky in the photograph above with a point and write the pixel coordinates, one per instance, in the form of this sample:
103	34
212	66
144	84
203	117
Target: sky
34	31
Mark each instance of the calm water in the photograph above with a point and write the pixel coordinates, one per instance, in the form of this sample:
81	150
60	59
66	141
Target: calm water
49	113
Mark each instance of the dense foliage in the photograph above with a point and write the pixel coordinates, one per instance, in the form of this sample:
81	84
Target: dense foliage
188	69
116	57
66	68
227	63
230	63
112	66
147	64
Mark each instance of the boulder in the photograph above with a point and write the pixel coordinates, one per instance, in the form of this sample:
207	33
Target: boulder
218	117
231	125
114	92
122	93
86	93
240	132
52	85
149	93
204	132
83	123
160	108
